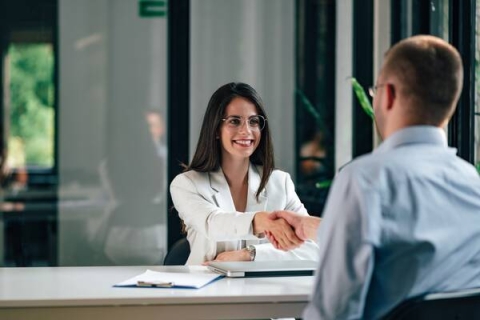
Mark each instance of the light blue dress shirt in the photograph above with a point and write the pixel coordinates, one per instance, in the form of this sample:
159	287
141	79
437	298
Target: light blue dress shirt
399	222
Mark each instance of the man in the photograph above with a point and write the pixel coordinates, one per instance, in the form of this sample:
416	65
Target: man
156	126
403	220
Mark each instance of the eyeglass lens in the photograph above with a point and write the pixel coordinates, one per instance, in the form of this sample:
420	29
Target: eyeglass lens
254	122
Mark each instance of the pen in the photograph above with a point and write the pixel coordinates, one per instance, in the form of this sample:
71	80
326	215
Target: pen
158	284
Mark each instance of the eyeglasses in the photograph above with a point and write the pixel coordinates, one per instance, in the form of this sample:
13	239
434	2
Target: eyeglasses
372	91
256	122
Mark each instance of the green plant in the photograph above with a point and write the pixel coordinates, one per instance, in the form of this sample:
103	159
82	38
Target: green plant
323	184
362	98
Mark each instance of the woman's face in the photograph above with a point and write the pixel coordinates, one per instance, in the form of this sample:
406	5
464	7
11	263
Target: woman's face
240	132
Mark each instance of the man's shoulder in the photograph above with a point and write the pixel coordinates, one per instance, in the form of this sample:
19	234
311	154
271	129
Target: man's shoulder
405	164
375	169
363	165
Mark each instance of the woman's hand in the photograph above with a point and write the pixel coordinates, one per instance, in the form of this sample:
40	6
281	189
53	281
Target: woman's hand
279	229
237	255
305	226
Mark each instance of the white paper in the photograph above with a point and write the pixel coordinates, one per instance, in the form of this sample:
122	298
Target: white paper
185	280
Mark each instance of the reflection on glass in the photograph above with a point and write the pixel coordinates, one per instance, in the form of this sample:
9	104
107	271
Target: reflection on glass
314	97
86	185
112	151
133	228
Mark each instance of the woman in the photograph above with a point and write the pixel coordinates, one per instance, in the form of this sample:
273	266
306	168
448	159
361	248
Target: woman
229	188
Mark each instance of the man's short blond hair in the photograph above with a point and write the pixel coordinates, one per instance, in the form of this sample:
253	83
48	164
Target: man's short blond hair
430	73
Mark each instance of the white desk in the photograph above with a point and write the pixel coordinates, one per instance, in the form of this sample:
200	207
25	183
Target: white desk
87	293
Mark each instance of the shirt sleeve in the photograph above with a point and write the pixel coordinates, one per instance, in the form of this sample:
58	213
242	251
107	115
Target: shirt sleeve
307	251
205	217
346	239
267	252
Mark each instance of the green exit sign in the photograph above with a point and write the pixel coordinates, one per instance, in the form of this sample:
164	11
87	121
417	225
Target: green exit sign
152	8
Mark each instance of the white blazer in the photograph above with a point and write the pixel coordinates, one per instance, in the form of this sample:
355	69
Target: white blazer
204	203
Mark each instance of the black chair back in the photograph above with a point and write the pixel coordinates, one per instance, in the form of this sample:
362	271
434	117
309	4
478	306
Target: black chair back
458	305
178	253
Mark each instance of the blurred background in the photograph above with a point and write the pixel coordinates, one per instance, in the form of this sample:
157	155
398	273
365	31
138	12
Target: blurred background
102	100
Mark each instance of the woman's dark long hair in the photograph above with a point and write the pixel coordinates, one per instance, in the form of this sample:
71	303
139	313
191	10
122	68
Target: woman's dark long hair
208	155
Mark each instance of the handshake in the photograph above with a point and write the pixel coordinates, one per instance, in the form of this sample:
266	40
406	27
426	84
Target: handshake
286	230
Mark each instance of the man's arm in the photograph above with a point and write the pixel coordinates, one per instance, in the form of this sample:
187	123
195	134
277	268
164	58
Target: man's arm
305	226
346	239
279	229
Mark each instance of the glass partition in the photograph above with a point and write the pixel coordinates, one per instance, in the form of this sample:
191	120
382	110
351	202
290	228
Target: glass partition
84	127
112	144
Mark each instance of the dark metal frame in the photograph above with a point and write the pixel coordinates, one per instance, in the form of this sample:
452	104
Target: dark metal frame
3	45
178	100
38	15
421	17
398	20
461	132
362	133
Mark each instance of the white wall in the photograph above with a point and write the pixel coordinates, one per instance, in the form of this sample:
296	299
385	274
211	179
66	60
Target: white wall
381	43
343	87
250	41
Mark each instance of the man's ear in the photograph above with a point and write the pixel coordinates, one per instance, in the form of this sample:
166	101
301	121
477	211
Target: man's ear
390	95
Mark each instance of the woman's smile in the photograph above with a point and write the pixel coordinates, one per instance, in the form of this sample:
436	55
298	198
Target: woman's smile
244	142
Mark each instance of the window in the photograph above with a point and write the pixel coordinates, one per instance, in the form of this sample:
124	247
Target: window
315	101
30	106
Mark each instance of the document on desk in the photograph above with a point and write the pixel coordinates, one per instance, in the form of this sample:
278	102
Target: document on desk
154	279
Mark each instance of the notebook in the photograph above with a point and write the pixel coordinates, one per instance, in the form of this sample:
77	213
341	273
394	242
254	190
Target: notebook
275	268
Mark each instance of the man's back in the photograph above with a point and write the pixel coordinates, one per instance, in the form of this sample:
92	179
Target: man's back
430	223
413	228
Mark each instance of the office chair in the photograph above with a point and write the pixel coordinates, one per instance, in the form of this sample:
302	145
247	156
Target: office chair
178	253
458	305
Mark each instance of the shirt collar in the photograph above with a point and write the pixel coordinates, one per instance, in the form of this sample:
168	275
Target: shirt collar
414	135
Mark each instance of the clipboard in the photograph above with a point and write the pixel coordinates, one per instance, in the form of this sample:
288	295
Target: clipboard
156	284
155	279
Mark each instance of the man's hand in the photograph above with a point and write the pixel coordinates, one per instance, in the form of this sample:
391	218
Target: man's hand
278	228
305	226
237	255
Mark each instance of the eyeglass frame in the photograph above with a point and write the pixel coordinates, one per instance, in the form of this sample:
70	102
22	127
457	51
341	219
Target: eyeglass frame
243	121
372	91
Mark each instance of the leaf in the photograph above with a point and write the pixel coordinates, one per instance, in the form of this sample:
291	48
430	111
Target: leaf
310	108
362	98
323	184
